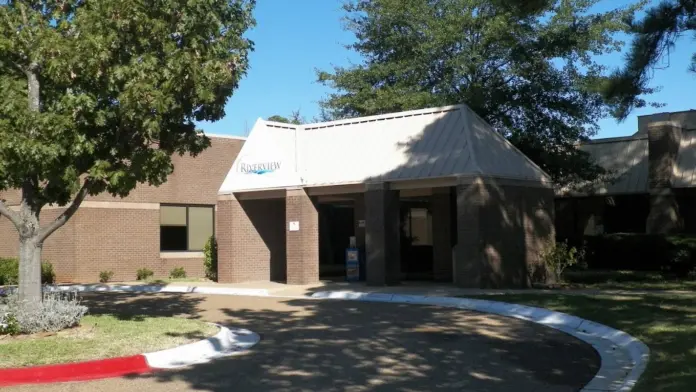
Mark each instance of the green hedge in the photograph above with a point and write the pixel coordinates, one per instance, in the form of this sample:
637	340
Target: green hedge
9	272
641	252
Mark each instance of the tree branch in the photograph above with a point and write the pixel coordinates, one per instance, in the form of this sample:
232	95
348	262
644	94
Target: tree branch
67	214
9	214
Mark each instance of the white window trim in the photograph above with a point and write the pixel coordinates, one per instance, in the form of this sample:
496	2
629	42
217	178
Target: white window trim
182	255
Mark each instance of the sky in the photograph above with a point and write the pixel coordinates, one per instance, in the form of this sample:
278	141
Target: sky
294	38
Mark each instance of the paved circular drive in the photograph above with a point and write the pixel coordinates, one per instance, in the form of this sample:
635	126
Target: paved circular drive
315	345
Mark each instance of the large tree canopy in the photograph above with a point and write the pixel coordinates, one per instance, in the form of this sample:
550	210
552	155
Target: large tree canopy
98	94
525	67
295	118
655	35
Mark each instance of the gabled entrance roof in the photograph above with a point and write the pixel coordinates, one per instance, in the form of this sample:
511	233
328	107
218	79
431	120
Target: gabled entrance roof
431	143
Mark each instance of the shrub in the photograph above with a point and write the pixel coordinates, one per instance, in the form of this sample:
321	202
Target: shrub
210	261
642	252
178	273
145	274
9	272
48	276
58	310
8	324
105	276
559	256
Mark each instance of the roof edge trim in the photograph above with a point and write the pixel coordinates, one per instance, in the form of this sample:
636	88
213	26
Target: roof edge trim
386	116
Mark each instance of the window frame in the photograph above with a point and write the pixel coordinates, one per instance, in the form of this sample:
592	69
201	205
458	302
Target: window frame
186	206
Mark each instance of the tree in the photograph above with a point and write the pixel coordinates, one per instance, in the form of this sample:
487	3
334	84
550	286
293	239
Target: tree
525	67
295	118
97	96
654	37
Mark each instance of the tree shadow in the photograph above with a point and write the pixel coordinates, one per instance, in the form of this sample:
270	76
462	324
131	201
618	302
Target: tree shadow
664	322
136	307
309	345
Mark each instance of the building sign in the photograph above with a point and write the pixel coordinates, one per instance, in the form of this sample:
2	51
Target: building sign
260	167
294	226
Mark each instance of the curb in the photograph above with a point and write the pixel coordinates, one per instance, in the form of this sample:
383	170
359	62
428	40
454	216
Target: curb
81	371
623	357
159	289
226	342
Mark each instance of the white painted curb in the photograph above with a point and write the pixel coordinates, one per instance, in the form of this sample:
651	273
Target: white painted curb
225	343
623	357
124	288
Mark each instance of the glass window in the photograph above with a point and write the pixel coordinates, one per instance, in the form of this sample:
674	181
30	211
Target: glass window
185	228
418	226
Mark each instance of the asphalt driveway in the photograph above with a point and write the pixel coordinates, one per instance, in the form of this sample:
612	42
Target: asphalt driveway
312	345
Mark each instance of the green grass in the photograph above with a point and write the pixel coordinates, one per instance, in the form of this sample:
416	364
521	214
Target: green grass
665	322
102	336
625	280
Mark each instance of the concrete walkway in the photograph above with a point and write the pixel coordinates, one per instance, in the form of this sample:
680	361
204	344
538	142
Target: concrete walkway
310	345
407	287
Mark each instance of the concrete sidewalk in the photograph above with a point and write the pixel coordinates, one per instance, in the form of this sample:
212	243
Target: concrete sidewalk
413	288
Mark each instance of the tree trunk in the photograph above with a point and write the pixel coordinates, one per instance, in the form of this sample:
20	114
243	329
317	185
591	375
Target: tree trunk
30	270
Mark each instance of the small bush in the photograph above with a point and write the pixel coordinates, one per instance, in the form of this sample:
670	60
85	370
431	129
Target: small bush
9	272
210	261
48	276
642	252
178	273
57	311
105	276
145	274
9	324
559	256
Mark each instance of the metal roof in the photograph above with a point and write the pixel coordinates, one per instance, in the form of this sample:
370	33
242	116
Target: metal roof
419	144
626	158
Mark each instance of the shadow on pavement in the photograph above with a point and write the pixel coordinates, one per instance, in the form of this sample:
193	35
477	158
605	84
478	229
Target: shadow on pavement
310	345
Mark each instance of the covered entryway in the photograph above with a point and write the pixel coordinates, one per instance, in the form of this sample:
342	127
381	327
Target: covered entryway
433	194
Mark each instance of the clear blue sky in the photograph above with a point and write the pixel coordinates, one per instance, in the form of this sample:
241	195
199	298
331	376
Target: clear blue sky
293	38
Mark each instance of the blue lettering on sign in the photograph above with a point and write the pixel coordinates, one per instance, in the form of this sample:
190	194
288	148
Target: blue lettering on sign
259	168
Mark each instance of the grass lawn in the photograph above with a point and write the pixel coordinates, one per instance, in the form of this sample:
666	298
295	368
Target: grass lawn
665	322
102	336
625	280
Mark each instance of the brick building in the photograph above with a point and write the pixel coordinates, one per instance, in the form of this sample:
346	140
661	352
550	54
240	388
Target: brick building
651	186
154	227
426	194
438	184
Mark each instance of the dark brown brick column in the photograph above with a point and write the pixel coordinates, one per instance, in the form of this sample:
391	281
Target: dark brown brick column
468	254
441	211
382	236
303	244
663	147
540	232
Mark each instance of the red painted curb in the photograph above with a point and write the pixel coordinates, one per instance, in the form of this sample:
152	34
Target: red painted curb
79	371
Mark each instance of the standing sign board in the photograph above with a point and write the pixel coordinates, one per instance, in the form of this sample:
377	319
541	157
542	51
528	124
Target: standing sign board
352	265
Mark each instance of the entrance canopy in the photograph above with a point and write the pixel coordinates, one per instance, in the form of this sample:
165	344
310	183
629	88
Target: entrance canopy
414	145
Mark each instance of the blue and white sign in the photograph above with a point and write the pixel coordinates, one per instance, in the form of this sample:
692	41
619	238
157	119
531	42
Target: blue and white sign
259	168
352	265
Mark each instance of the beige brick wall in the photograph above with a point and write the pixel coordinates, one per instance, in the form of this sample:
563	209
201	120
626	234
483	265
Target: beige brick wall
116	240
